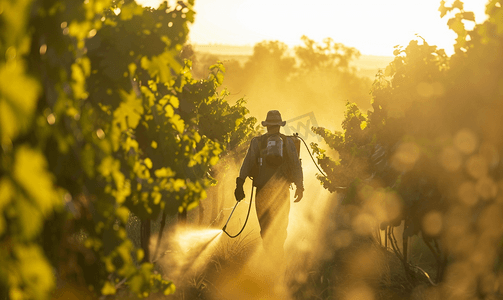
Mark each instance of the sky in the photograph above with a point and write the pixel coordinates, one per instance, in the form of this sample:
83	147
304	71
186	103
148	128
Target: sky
373	27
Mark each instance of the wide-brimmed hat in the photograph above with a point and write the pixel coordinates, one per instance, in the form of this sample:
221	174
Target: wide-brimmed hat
273	118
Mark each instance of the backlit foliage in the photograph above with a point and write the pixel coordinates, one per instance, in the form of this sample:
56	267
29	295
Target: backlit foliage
429	154
99	117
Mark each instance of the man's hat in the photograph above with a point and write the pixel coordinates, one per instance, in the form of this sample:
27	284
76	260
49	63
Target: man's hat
273	118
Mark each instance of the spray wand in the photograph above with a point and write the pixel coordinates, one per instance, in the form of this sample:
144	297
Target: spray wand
246	220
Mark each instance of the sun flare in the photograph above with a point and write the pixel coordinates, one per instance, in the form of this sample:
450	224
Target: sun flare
373	27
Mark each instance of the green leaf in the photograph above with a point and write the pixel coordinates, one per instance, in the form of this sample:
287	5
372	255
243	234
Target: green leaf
160	66
456	25
468	15
164	172
443	9
108	165
123	214
18	98
108	288
78	84
129	10
140	254
170	112
178	123
170	289
363	125
30	171
458	4
148	162
36	273
129	112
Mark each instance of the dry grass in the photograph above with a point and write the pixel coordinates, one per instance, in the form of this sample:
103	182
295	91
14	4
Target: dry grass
342	265
361	270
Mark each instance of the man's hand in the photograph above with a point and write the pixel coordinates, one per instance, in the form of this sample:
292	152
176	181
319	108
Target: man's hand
299	193
239	193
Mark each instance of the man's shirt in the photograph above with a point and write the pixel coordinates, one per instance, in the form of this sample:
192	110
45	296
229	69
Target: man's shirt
291	163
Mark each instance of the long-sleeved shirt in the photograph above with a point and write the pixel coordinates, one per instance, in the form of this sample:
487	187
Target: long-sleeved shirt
291	163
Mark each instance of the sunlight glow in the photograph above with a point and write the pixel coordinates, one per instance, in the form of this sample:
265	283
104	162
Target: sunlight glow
373	27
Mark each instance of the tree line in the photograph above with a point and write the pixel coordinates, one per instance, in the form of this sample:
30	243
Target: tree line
314	76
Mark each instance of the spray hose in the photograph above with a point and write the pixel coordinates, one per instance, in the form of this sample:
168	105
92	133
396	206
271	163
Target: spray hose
307	148
246	220
317	166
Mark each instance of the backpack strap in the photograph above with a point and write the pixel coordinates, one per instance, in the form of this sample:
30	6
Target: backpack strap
285	146
262	142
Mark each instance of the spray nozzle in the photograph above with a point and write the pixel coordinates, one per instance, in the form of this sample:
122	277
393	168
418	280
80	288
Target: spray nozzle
225	226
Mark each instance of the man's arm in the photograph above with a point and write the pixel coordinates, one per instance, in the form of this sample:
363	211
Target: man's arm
250	159
246	169
296	168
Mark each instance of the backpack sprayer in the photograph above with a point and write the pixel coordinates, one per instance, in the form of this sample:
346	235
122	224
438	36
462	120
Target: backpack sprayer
296	139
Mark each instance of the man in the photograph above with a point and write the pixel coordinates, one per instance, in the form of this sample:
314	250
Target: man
272	181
